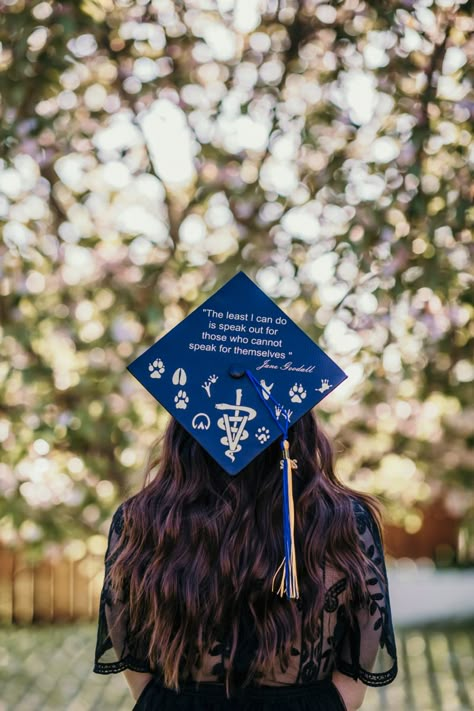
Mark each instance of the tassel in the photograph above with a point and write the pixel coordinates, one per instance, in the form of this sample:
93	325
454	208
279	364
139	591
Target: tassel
289	579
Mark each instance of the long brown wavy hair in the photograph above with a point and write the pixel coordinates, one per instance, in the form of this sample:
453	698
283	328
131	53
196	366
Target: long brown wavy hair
200	548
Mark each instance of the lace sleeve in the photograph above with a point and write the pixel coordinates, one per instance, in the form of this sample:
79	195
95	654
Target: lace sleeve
367	651
115	648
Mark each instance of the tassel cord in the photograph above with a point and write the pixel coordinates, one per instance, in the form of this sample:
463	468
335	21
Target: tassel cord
289	581
262	389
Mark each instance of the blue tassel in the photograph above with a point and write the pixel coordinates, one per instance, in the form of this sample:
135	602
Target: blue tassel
289	580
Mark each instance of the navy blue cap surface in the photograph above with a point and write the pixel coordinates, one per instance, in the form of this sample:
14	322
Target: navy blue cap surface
197	371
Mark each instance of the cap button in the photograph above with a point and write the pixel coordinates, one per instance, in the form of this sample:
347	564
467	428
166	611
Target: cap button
236	371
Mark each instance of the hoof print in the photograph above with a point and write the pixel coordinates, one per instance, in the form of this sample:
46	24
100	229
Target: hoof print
179	377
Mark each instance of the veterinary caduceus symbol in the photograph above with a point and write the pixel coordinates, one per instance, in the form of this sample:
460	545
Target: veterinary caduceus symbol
234	424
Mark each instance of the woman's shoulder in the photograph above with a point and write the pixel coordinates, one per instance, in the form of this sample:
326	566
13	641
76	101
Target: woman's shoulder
363	516
368	530
118	517
124	514
359	506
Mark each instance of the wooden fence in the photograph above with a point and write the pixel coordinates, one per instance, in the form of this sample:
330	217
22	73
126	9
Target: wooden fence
49	590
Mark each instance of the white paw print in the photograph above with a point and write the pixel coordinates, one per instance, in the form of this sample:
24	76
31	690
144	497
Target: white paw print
262	434
297	393
157	368
324	385
181	400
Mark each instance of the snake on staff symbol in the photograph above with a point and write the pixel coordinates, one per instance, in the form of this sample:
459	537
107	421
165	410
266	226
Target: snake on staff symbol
234	424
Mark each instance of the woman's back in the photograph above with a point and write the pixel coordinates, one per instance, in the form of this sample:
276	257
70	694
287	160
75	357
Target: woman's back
244	567
363	650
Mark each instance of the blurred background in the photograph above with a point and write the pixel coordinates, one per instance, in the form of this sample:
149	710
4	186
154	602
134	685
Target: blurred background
149	150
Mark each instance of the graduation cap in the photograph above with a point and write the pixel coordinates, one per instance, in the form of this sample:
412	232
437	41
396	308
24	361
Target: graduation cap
237	373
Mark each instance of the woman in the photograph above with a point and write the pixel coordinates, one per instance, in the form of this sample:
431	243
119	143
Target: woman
188	598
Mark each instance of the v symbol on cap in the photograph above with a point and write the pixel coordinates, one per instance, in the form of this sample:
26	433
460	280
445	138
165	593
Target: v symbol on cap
234	424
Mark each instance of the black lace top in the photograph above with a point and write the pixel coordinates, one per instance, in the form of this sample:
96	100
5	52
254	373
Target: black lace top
364	651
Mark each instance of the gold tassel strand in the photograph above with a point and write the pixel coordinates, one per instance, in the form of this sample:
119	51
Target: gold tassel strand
287	465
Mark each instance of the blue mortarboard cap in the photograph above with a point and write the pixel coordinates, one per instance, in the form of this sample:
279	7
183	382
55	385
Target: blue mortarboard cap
233	369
